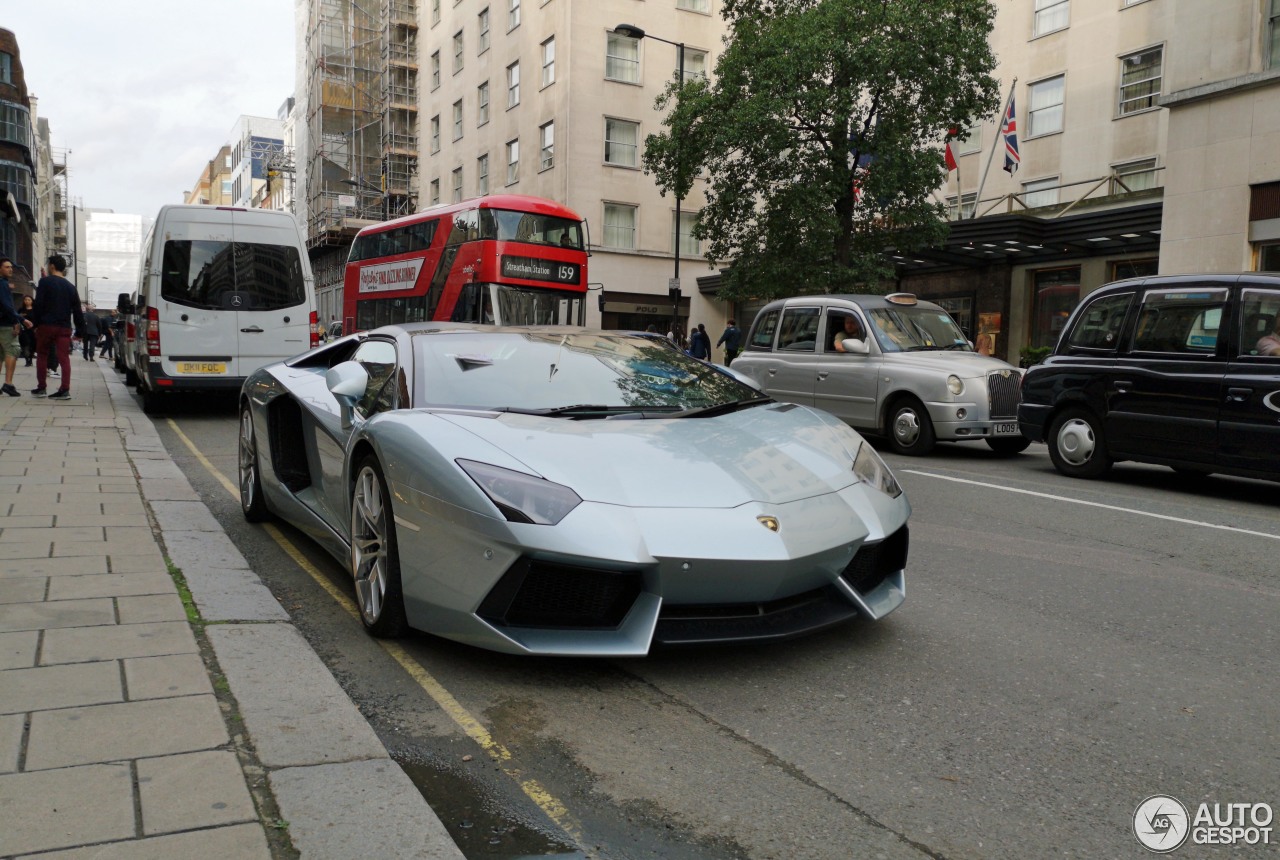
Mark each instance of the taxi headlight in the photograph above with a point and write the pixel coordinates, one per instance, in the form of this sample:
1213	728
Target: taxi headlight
872	471
955	385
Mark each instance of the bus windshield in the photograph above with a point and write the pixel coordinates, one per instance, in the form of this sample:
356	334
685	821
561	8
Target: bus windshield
508	226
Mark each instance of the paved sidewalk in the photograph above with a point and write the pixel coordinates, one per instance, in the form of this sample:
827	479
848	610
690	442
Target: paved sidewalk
133	725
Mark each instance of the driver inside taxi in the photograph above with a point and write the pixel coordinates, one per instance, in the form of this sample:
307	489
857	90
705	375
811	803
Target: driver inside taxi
852	331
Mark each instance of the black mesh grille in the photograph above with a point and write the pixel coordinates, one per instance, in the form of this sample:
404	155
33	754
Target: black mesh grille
688	624
874	561
541	594
1005	394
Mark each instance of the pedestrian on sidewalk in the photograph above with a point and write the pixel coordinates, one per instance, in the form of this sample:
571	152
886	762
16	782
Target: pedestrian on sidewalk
732	339
57	307
108	342
89	335
10	326
27	334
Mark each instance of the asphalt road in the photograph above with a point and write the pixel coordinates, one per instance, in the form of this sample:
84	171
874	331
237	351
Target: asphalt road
1066	650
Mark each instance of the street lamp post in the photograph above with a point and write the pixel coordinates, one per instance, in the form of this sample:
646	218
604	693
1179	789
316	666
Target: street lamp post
631	31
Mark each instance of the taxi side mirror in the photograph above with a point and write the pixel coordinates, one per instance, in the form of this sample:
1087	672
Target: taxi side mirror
855	346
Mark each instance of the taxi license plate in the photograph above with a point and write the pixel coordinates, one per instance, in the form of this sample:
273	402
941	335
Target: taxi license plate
202	367
1008	429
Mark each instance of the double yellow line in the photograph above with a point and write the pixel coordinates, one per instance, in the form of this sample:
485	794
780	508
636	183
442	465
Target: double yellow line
553	808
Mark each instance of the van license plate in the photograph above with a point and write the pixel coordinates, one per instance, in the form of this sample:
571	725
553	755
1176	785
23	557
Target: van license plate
207	367
1009	429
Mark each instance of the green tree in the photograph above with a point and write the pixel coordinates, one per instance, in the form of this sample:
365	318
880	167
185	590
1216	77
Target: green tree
804	92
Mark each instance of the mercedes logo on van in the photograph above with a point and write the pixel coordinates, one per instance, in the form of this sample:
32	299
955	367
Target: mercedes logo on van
1272	401
235	301
771	523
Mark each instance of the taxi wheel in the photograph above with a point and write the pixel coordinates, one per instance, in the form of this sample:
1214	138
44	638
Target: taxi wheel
910	431
1077	445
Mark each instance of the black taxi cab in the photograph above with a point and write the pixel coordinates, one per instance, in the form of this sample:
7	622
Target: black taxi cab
1176	370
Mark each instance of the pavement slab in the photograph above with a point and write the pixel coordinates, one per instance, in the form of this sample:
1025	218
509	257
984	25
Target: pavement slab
110	585
18	650
24	589
47	687
183	792
65	808
11	741
316	801
117	641
203	549
293	708
63	613
146	609
77	566
230	594
182	517
165	677
242	842
105	733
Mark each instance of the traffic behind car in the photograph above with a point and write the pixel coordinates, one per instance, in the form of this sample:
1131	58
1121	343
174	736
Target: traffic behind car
889	365
526	490
1181	371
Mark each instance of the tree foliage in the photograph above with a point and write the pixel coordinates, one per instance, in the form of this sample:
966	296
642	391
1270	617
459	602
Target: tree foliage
804	92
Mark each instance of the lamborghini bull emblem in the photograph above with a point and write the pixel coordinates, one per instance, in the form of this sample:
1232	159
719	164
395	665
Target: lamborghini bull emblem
771	523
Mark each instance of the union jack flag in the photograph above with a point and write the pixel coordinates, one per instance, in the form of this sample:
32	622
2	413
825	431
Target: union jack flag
1009	131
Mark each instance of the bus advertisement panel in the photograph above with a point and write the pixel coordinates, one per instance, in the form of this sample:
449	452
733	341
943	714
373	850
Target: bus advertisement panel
504	259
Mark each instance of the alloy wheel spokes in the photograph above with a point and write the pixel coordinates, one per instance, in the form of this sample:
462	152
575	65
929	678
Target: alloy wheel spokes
248	458
368	544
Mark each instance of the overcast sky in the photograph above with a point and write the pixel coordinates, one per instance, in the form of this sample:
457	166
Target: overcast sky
144	92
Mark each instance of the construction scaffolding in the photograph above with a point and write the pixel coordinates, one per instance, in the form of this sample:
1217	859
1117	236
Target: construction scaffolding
361	119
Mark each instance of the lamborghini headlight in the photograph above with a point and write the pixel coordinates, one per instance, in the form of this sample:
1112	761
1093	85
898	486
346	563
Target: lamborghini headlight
872	471
955	385
522	498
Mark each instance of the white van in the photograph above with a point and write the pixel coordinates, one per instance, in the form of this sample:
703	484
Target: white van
223	291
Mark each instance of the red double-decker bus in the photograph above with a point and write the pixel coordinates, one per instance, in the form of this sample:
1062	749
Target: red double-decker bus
505	259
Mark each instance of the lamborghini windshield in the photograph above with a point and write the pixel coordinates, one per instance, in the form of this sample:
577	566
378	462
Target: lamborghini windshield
570	374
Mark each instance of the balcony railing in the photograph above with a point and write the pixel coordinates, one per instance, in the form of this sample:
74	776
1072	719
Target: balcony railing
1055	201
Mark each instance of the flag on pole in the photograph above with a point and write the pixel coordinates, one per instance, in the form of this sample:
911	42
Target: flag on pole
1009	131
948	156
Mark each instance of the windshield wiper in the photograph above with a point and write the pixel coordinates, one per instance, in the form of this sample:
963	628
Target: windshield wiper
576	409
722	408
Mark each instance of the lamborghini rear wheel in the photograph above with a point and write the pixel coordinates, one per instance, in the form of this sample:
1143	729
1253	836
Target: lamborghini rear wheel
375	562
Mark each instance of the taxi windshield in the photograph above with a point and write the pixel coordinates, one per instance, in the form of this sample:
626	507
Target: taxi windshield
912	329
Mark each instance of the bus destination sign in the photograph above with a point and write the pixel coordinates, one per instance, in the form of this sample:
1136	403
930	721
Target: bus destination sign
533	269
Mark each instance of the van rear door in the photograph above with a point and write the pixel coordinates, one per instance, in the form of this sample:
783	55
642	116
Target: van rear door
272	294
198	337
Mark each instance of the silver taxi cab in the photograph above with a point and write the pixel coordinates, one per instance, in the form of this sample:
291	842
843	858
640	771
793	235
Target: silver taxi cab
891	365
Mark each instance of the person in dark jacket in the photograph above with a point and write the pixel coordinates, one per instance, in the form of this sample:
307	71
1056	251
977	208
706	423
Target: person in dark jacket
732	340
57	307
10	326
699	343
89	336
27	335
108	340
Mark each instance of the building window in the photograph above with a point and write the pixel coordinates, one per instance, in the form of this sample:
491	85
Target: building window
1134	176
622	59
1121	269
457	120
435	11
435	133
621	142
1045	115
688	244
435	70
1140	76
513	14
1050	15
226	187
1273	34
513	161
482	174
549	61
692	5
482	104
513	84
457	185
457	52
1057	292
620	226
548	136
695	64
970	140
962	208
1041	192
6	68
484	31
435	192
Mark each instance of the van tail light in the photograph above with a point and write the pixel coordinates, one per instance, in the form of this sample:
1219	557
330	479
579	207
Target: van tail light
315	330
153	331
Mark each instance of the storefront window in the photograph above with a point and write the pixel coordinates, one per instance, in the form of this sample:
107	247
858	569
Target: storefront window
1056	292
1122	269
1269	258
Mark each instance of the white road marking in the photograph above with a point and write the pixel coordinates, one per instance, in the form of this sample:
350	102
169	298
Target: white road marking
1092	504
